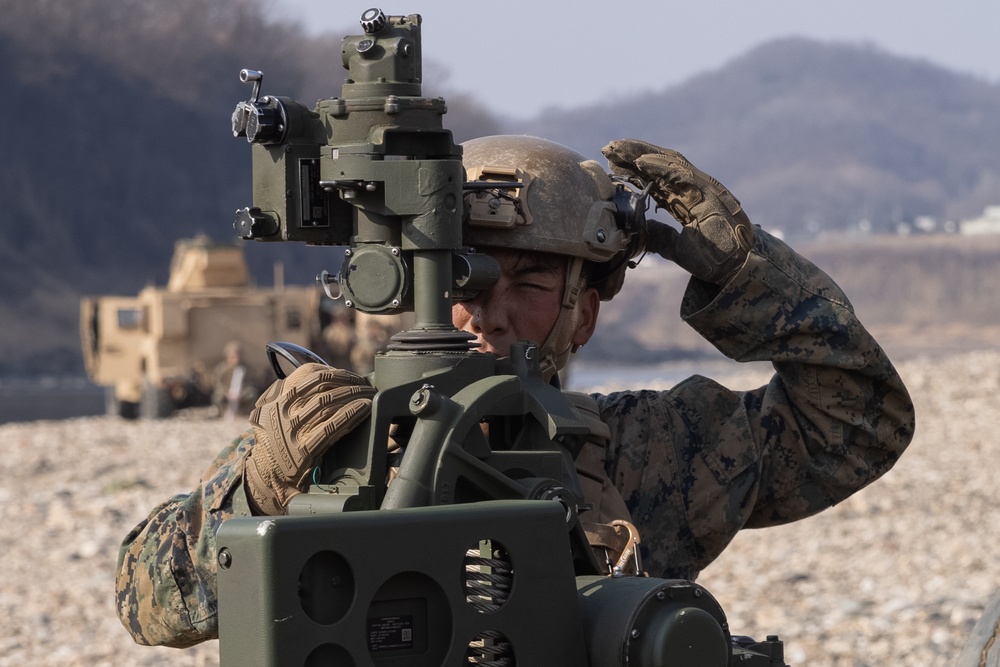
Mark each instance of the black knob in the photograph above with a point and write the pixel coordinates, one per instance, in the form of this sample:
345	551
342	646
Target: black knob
263	123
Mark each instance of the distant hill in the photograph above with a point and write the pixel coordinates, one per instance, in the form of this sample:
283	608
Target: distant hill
815	137
117	144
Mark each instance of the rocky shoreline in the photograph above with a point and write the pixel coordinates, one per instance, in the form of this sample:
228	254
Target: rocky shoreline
896	575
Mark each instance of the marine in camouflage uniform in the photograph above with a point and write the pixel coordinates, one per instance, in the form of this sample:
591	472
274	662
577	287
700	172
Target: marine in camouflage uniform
690	466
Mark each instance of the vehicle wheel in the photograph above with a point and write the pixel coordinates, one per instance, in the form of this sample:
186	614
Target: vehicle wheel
116	408
982	648
156	403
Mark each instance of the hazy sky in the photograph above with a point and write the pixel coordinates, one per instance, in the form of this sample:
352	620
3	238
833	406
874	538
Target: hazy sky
521	56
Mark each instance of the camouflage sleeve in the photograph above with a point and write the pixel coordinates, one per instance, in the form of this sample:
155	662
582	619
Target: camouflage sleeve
166	587
699	462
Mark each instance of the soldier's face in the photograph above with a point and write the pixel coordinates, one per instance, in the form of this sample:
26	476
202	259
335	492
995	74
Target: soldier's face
524	304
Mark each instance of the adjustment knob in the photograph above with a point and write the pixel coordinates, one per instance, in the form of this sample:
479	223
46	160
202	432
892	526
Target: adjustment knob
263	122
372	20
252	223
240	118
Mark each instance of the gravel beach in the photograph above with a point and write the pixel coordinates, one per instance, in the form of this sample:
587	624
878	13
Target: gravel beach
896	575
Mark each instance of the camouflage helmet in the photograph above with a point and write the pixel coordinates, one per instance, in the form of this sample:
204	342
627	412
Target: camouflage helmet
567	205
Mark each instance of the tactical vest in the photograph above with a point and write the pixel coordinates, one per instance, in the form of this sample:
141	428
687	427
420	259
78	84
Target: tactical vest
607	521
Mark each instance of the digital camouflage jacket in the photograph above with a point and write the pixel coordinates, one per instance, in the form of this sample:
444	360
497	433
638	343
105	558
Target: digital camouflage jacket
694	464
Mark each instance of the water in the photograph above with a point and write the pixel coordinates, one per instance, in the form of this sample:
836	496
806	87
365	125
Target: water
605	378
63	397
592	378
49	397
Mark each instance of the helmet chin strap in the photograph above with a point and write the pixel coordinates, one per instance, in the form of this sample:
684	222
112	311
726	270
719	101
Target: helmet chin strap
555	351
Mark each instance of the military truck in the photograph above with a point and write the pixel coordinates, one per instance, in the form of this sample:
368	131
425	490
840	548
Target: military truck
157	351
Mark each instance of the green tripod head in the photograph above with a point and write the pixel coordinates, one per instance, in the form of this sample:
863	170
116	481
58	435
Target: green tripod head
376	172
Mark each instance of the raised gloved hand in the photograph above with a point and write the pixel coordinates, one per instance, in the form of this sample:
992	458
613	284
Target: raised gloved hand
295	421
716	234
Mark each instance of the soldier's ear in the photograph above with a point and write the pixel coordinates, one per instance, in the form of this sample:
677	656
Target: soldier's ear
589	305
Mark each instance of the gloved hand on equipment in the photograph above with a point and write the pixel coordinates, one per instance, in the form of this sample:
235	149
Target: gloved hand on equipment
294	422
716	234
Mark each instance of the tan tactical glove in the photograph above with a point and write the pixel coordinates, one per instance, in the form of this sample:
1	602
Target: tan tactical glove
716	234
296	420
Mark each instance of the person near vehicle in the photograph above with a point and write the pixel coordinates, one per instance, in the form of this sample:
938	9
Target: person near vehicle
233	388
689	467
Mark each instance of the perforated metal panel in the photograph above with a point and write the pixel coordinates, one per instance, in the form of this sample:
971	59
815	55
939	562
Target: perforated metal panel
390	587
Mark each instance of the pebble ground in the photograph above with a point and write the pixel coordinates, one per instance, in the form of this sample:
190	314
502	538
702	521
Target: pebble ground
896	575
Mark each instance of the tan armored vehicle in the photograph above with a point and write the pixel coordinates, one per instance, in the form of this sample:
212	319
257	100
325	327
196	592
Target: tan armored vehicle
164	349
